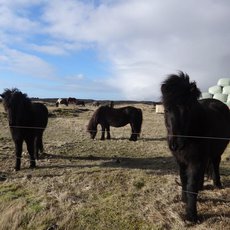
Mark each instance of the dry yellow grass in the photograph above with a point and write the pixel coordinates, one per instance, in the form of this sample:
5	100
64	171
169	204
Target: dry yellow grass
91	184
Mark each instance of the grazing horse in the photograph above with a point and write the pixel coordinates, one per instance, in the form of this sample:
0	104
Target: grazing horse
96	103
107	116
27	122
80	102
72	100
198	133
62	101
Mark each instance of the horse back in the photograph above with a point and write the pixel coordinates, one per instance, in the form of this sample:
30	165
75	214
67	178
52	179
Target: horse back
217	115
40	114
217	120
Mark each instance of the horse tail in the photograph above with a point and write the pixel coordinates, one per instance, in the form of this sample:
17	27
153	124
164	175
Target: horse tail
139	119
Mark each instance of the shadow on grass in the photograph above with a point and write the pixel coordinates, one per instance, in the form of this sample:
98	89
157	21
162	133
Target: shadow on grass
160	165
140	139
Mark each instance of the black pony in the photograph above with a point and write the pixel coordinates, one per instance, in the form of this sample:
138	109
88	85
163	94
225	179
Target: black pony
107	116
198	133
27	123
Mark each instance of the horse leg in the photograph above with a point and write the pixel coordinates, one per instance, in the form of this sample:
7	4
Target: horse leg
30	143
38	145
201	180
36	148
133	136
216	172
102	132
194	175
18	152
108	132
184	180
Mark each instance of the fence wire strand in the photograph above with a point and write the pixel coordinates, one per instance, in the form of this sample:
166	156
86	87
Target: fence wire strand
141	133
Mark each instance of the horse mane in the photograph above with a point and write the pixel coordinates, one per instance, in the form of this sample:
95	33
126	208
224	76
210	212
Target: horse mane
18	106
14	97
177	88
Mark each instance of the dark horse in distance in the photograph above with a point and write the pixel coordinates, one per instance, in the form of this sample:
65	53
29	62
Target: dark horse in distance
198	133
107	116
73	100
27	122
62	101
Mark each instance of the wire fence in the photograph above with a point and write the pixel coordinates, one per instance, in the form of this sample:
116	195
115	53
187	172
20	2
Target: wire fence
144	135
141	133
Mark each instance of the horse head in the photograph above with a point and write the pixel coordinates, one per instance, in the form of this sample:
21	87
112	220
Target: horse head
92	131
180	97
92	127
177	121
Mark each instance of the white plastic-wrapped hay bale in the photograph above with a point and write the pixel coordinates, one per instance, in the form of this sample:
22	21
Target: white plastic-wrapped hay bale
226	89
215	89
228	104
223	82
228	99
220	97
160	109
205	95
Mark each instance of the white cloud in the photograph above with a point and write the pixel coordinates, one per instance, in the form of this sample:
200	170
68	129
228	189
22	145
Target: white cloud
167	35
30	65
143	40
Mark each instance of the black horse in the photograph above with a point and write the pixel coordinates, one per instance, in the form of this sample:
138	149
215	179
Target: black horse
107	116
27	122
75	101
198	133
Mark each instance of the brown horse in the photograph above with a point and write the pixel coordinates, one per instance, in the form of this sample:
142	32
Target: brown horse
107	116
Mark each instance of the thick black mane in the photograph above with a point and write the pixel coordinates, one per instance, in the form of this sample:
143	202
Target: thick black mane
14	97
178	88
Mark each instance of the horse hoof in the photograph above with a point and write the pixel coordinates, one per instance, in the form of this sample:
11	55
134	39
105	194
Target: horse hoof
219	186
191	218
32	166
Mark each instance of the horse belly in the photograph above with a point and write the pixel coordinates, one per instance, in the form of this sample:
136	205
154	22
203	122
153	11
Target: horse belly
118	123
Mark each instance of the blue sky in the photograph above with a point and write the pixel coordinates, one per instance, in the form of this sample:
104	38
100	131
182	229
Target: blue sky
111	49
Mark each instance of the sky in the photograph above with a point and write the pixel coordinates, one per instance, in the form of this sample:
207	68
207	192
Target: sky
111	49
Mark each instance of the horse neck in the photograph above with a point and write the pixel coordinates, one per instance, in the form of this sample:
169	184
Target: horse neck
20	112
92	124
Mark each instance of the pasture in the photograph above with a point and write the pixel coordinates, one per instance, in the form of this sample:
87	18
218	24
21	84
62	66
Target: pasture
82	183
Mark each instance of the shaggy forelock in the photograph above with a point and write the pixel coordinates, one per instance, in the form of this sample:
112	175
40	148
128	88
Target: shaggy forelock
13	94
177	89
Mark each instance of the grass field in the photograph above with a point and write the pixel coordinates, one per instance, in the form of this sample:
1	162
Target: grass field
92	184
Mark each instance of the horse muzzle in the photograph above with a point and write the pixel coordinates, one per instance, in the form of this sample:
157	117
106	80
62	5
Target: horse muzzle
175	143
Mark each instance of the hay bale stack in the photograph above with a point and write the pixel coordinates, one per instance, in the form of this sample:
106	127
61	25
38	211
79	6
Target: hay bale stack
206	95
159	109
221	97
215	89
226	89
223	82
